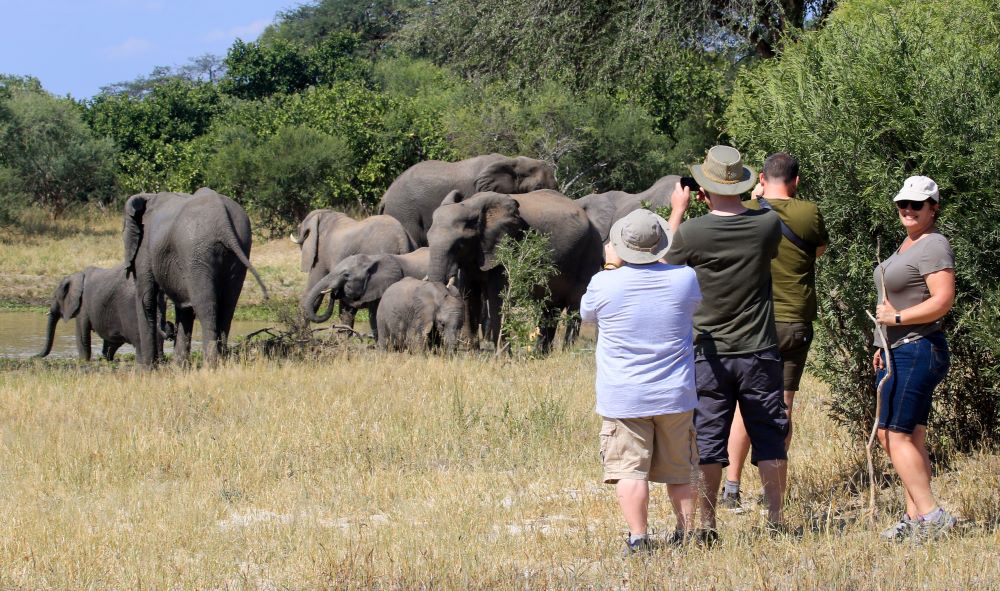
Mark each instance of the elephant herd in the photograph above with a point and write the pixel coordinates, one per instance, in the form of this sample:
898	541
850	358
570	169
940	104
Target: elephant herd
425	267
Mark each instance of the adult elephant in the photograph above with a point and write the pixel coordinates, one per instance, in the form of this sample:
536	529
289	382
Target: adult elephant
466	232
416	315
604	209
327	237
195	249
361	279
415	194
102	301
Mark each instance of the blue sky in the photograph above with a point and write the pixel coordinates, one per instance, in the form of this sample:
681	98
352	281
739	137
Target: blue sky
76	47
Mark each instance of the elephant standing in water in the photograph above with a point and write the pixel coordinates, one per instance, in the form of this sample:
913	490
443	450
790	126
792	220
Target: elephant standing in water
415	194
465	235
361	279
604	209
103	301
195	249
416	315
327	237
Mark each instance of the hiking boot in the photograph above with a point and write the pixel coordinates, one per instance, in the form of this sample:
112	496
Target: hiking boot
730	501
901	531
936	527
640	546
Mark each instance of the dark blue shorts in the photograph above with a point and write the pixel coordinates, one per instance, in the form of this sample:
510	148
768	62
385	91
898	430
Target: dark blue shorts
917	368
752	380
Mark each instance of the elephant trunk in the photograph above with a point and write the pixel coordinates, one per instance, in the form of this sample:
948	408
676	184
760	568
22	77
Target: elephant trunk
441	268
50	330
313	299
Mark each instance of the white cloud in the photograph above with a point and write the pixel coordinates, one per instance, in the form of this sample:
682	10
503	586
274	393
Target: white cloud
131	47
246	32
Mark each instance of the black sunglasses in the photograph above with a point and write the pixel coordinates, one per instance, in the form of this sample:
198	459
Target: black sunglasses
914	205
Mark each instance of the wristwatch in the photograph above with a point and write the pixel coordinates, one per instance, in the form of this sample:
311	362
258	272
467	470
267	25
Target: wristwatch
899	319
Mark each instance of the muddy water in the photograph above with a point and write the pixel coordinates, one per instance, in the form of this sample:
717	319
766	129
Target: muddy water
22	334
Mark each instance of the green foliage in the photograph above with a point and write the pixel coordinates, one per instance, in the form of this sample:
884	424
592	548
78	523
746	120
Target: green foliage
279	178
595	141
48	156
371	21
528	265
152	129
894	89
256	70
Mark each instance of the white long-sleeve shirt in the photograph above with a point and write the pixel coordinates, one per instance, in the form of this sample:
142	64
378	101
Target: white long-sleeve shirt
645	354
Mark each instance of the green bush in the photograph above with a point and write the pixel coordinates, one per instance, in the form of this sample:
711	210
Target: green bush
887	90
48	156
528	265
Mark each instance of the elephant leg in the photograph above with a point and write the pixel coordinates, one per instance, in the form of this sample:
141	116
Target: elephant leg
226	309
572	328
83	337
347	314
146	295
491	321
473	315
547	330
372	319
110	349
182	342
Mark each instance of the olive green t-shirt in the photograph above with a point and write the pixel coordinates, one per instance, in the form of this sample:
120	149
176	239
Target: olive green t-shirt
793	272
731	256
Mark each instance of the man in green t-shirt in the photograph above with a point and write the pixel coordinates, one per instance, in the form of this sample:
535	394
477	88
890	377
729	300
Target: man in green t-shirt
793	276
736	347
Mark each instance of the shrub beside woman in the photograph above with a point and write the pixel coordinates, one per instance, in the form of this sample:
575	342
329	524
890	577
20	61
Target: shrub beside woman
919	284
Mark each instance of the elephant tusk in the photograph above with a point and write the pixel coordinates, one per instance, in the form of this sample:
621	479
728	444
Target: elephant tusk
451	281
293	239
426	278
326	291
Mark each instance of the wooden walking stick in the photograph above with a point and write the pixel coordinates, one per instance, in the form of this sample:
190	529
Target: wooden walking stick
887	350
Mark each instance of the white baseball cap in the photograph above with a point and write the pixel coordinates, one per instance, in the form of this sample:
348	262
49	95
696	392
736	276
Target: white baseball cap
918	188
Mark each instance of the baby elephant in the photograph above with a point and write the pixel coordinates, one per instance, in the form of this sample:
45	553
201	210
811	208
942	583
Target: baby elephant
416	315
102	300
361	279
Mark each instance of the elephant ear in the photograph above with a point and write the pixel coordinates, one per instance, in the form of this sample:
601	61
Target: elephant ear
499	216
499	177
453	198
132	231
309	240
71	295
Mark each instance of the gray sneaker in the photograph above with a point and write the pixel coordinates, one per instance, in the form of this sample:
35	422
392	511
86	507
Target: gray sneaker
900	531
926	530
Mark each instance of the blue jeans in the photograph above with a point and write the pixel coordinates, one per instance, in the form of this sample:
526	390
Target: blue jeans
917	368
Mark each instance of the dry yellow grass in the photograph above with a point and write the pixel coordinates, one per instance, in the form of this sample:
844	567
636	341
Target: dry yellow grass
392	471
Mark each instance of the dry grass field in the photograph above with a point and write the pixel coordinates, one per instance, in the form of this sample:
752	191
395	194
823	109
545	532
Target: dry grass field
359	469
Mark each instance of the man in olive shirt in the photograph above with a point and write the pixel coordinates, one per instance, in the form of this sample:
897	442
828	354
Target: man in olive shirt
793	276
736	347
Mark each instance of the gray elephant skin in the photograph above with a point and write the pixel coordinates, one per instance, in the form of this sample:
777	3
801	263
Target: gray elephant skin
195	249
327	237
361	279
417	315
604	209
415	194
102	301
466	232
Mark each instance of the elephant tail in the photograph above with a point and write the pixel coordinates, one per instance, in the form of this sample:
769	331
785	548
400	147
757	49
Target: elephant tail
230	241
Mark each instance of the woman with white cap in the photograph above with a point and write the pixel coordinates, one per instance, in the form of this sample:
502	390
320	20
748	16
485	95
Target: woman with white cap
916	288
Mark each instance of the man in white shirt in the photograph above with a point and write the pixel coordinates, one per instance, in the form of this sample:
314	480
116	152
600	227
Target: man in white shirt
645	383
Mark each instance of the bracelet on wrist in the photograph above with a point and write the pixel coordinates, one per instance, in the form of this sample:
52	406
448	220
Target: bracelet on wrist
899	318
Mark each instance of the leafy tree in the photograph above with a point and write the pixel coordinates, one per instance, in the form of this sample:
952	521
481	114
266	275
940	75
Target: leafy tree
886	90
279	178
48	156
371	21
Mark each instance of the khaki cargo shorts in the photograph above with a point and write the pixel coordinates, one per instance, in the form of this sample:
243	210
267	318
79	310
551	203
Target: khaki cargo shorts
659	449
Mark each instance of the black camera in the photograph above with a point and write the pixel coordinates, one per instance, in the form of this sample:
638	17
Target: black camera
689	183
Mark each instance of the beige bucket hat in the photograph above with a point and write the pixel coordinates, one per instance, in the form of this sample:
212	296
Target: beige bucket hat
641	237
723	172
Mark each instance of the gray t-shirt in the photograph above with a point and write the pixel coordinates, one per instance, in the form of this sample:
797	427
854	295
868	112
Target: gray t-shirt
905	284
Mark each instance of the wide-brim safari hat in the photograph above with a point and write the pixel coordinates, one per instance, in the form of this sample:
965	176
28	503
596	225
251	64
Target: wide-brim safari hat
641	237
723	172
